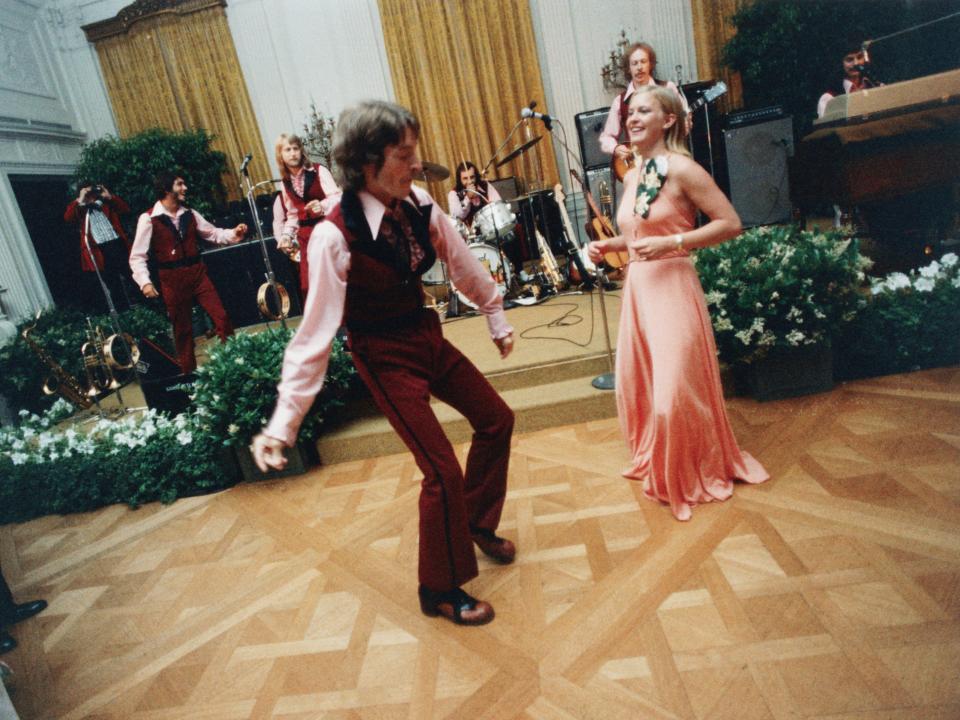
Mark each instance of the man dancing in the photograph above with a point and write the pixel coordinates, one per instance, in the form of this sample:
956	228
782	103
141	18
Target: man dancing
366	260
172	232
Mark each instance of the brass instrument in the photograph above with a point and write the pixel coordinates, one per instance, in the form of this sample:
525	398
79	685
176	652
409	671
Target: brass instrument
102	356
548	263
59	381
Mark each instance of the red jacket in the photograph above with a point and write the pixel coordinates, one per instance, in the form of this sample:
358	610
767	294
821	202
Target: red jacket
113	209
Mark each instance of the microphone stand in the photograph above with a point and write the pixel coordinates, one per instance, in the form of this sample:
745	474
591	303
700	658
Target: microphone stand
112	309
270	277
496	152
606	381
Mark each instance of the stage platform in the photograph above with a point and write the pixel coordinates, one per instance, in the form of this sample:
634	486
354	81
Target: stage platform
560	348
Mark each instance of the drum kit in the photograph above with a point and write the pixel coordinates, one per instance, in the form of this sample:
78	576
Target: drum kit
501	241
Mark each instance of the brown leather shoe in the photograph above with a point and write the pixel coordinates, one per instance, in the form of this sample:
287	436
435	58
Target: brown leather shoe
456	606
498	548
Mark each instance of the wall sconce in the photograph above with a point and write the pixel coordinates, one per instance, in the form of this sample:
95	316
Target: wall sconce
612	72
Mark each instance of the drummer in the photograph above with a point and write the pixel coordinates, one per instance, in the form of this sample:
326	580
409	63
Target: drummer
470	194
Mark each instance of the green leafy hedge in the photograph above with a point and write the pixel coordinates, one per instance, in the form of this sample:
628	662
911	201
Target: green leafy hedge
128	166
236	389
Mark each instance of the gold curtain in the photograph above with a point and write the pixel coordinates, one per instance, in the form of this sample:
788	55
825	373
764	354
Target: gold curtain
711	30
466	68
179	71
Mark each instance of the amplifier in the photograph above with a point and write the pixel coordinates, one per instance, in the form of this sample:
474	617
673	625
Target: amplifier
589	126
751	117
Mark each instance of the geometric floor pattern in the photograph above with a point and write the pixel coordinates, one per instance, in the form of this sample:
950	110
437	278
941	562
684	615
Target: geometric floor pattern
830	592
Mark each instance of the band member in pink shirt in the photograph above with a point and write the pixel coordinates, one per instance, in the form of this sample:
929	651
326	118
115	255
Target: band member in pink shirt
171	232
366	260
309	190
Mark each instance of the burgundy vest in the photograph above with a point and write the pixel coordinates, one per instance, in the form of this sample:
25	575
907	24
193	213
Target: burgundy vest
312	190
382	291
172	244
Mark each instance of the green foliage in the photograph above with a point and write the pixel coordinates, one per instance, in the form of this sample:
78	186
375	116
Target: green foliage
789	52
778	286
62	332
236	389
907	322
47	470
128	166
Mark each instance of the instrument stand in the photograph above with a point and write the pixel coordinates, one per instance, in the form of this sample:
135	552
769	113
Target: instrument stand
270	277
114	315
607	381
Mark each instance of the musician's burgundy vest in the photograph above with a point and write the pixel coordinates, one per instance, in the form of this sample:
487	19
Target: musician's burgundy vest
312	190
382	290
171	244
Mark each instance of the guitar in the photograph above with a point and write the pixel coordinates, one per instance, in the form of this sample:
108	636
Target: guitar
600	227
568	227
621	166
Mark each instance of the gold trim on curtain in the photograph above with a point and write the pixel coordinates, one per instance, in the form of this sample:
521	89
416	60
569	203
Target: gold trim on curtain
181	72
711	31
466	68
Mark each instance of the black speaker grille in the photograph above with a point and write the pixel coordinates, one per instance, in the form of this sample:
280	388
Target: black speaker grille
589	126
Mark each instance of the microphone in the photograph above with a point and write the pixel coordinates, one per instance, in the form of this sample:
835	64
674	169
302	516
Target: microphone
547	120
246	161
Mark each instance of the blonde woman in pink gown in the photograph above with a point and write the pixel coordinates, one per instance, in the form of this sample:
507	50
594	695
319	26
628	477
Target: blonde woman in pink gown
669	397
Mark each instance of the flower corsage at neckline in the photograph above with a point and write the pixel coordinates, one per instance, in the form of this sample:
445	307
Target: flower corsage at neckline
652	174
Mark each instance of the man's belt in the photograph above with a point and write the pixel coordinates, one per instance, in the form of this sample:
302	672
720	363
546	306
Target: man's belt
398	322
182	262
309	222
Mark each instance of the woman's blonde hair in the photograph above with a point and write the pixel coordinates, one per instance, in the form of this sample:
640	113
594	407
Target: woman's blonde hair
675	136
290	139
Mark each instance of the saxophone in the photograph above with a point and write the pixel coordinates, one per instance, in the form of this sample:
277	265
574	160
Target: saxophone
59	381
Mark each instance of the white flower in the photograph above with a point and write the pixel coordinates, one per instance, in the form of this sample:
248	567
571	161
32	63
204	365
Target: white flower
19	458
715	297
897	281
924	284
795	337
722	323
744	336
949	260
184	437
774	295
930	270
239	361
233	429
956	282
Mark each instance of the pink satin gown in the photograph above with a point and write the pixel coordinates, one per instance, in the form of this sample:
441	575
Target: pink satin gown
669	397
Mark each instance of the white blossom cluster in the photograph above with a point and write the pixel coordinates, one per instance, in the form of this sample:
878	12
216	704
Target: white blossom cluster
36	440
947	269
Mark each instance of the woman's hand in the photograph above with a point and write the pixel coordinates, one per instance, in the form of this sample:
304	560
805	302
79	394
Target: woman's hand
622	151
268	453
596	250
314	208
651	247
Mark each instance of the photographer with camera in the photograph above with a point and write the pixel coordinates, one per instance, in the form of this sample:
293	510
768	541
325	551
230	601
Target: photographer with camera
104	246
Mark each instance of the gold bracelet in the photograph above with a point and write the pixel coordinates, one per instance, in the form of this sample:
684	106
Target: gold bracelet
679	239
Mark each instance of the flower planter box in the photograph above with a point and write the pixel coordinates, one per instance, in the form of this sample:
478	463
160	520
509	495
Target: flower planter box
300	458
790	372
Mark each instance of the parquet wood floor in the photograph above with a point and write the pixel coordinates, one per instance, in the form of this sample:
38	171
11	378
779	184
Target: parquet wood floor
831	592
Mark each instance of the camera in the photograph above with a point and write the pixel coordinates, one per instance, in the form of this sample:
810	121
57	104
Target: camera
95	191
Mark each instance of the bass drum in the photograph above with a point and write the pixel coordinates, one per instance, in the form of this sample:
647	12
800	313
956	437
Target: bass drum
490	259
436	275
494	220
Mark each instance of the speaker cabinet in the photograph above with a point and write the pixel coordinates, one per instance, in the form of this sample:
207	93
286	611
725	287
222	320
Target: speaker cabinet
507	187
159	376
757	170
589	126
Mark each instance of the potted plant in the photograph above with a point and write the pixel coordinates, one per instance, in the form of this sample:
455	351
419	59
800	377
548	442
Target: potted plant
907	322
235	392
776	294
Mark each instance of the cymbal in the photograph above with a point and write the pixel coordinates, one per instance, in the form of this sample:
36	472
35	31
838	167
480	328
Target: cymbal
433	172
518	151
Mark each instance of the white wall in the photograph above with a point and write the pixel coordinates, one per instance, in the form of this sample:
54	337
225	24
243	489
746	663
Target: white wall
52	100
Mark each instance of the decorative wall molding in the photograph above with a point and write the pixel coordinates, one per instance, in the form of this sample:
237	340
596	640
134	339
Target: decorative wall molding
19	66
145	10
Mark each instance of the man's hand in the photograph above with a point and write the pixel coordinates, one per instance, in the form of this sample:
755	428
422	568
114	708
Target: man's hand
314	208
239	231
149	291
82	198
104	193
268	453
505	345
